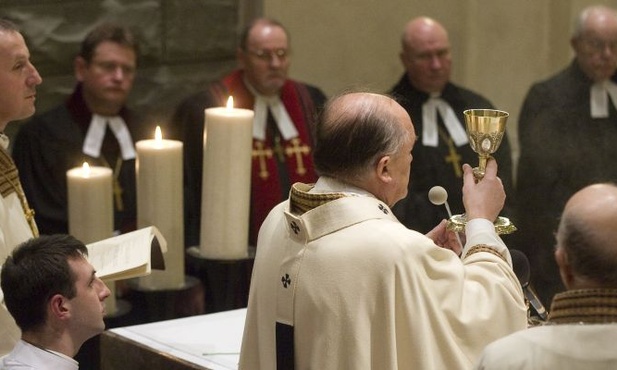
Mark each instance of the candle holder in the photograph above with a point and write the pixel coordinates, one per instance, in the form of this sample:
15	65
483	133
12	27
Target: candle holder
226	281
157	304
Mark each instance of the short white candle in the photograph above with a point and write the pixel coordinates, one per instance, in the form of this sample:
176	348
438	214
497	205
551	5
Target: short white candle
91	210
226	186
160	203
90	203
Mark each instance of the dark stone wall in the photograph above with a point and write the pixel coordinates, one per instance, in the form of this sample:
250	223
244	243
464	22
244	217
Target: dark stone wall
184	45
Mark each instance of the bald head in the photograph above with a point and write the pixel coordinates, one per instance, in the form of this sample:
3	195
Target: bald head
594	17
587	235
426	54
355	132
422	29
354	129
356	106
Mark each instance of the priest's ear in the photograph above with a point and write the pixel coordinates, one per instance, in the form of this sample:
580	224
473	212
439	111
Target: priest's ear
382	169
565	269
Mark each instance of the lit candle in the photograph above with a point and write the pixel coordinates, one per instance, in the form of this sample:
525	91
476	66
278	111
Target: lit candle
226	185
160	203
91	211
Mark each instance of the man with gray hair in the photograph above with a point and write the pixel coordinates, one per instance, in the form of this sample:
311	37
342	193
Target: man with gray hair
340	283
567	133
587	258
282	126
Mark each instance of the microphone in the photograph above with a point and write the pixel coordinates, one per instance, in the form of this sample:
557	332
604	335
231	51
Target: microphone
438	196
520	265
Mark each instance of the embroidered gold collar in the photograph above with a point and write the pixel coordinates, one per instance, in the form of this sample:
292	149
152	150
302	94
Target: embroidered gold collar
585	306
301	201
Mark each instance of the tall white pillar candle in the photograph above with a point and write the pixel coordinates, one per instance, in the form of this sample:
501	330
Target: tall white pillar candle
226	185
91	212
160	203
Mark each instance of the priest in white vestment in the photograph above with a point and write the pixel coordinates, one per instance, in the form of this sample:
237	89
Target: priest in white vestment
582	329
18	80
340	283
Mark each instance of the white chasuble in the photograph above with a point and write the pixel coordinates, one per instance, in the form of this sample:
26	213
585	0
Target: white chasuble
360	290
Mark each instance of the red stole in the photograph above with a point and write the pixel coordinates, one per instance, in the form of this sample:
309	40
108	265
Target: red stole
265	184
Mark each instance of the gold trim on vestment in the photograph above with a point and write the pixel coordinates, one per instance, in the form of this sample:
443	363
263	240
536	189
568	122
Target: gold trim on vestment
10	174
584	306
301	201
484	248
9	183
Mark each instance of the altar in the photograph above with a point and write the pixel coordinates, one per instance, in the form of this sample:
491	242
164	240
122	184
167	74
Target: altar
209	342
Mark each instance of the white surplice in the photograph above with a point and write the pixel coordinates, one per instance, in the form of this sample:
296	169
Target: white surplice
362	291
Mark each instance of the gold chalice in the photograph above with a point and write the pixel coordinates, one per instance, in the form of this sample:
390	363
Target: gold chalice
485	129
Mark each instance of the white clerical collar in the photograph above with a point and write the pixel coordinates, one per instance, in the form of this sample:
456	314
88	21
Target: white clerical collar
4	141
598	98
96	134
430	133
279	113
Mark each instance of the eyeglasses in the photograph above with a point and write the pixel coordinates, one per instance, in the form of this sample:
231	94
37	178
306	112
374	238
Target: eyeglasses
599	46
267	55
111	67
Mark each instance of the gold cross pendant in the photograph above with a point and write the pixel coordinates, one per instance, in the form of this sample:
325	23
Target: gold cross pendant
298	149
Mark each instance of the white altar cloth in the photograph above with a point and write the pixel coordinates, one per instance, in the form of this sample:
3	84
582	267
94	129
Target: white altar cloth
212	341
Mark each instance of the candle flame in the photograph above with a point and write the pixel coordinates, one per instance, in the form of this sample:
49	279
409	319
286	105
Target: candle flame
86	169
230	102
158	136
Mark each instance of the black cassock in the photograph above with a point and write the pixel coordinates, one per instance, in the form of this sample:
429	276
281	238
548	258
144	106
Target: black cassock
51	143
562	150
